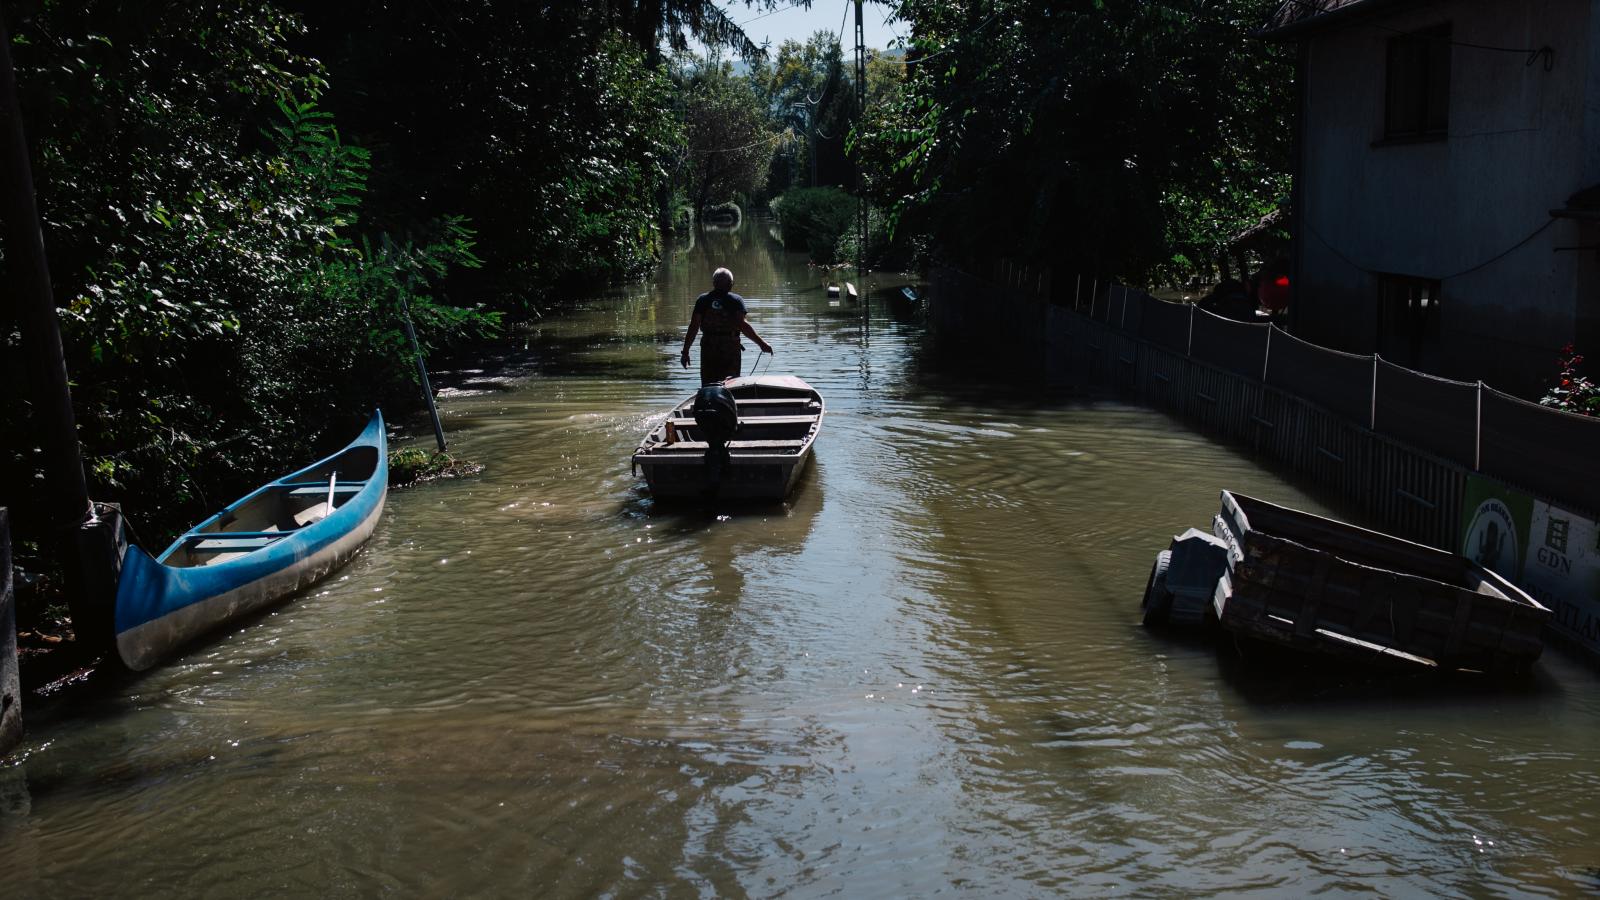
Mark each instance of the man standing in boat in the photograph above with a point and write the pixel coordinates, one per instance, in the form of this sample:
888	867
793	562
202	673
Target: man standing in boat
720	313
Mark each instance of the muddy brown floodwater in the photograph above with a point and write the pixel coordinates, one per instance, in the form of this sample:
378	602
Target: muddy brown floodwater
923	674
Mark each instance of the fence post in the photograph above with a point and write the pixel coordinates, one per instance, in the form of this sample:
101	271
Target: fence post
10	683
1267	353
1477	431
1077	294
1094	295
1122	324
1188	349
1372	414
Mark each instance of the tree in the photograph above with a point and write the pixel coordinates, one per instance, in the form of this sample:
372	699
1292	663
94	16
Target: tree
1114	137
220	313
812	91
540	124
730	137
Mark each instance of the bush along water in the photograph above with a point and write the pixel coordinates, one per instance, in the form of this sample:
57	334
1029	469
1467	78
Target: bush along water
816	221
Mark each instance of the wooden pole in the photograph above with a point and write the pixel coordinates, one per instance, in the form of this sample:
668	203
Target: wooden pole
422	372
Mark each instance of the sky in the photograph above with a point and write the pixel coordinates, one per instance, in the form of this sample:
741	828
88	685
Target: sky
798	23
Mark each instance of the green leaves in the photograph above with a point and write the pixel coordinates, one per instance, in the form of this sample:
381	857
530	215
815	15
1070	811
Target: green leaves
1100	136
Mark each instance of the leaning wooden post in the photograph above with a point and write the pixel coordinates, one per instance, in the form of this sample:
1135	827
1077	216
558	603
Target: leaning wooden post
422	372
393	254
10	683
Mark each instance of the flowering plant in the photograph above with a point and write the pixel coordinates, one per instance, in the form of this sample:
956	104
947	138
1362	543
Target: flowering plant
1573	391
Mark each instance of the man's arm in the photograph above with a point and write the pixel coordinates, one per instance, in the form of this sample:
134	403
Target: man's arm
750	332
688	339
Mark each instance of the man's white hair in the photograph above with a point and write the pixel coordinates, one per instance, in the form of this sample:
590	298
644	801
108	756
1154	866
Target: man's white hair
722	278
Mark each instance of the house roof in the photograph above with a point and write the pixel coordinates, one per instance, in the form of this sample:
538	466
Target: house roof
1295	19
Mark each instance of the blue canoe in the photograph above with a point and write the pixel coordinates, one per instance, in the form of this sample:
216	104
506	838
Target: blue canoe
278	539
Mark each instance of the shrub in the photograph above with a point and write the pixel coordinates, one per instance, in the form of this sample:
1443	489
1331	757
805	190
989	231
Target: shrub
816	220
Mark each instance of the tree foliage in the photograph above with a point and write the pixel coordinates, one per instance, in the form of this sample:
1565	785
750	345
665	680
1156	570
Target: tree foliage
221	315
1120	137
539	123
730	135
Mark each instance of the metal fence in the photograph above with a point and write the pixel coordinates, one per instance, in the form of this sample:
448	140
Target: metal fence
1399	443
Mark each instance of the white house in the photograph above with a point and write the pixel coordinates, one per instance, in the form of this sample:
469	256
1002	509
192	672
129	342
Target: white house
1446	209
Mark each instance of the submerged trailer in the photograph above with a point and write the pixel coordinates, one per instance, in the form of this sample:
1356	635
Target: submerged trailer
1318	585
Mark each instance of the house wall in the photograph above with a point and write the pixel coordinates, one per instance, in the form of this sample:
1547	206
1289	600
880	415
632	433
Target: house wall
1521	140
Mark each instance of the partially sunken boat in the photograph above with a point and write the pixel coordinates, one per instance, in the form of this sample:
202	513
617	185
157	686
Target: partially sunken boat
1317	585
281	538
780	417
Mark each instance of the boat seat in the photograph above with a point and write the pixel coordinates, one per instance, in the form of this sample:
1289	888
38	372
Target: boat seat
231	544
753	420
773	401
732	445
322	490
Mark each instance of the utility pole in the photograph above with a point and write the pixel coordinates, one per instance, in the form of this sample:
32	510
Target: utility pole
861	180
90	547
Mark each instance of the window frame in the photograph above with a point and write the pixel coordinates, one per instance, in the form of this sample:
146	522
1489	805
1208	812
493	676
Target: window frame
1420	110
1410	317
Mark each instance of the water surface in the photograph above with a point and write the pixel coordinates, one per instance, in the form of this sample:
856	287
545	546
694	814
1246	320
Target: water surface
925	673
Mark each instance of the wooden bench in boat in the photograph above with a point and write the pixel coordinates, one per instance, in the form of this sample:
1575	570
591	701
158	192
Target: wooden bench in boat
234	541
773	401
686	422
314	488
732	445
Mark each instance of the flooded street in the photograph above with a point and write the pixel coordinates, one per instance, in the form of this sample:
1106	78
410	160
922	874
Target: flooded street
924	673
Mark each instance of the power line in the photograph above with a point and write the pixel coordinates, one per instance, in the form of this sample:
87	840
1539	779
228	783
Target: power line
1467	271
773	12
769	139
952	44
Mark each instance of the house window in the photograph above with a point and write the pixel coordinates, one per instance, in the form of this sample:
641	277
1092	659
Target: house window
1408	320
1417	91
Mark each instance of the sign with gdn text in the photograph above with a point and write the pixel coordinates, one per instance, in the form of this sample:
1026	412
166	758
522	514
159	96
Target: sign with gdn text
1547	551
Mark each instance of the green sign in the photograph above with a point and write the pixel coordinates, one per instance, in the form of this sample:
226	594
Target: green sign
1547	551
1494	526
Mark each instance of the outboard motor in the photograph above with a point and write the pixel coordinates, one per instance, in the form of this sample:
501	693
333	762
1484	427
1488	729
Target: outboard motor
717	414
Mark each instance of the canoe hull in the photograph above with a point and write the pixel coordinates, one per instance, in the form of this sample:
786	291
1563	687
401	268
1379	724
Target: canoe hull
162	607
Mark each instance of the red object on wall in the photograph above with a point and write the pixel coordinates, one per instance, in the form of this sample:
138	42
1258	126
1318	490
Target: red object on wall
1273	293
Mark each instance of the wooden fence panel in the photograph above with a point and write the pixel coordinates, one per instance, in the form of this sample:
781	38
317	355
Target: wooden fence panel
1417	495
